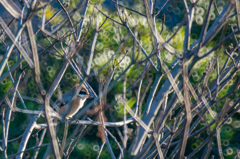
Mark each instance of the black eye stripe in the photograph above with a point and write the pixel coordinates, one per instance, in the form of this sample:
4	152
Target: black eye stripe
83	92
62	104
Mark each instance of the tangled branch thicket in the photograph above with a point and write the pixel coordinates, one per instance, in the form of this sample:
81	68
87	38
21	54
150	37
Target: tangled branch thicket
164	75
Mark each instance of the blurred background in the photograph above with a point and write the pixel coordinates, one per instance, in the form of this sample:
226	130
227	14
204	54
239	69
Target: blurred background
110	37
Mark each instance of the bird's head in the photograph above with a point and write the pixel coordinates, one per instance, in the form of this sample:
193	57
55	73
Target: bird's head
84	93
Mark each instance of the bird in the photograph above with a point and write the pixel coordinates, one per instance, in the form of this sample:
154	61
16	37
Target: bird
77	101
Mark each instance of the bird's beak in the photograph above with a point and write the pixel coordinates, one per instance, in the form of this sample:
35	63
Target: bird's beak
90	96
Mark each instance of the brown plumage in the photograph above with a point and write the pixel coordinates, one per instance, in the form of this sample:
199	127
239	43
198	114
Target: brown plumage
76	104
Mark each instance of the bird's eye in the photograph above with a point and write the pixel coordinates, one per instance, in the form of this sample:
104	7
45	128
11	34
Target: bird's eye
62	104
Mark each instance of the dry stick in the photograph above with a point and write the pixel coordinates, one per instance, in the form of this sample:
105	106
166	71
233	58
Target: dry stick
129	9
9	112
217	78
158	77
96	30
210	34
192	129
14	11
91	54
114	138
208	107
73	134
39	144
2	31
161	8
142	49
62	23
234	35
159	150
140	122
148	118
64	138
175	143
207	150
108	16
118	12
143	96
190	87
26	111
219	118
64	9
125	131
47	108
190	14
12	140
219	143
100	151
78	72
43	17
201	128
204	28
151	22
163	22
80	44
53	87
87	122
17	64
153	92
237	10
231	113
117	51
164	136
157	135
43	25
208	125
217	25
218	44
117	129
113	83
218	127
81	24
106	137
215	4
230	56
55	37
35	58
175	151
171	138
15	90
27	133
69	151
26	3
30	149
14	40
237	155
4	130
139	90
153	151
59	54
154	30
172	81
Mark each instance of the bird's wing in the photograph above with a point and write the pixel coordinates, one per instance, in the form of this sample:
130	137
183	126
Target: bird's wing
65	98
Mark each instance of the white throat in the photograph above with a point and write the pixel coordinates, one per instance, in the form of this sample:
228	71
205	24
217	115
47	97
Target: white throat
81	102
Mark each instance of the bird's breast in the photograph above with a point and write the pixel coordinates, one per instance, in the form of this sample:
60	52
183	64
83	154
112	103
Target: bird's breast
75	106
